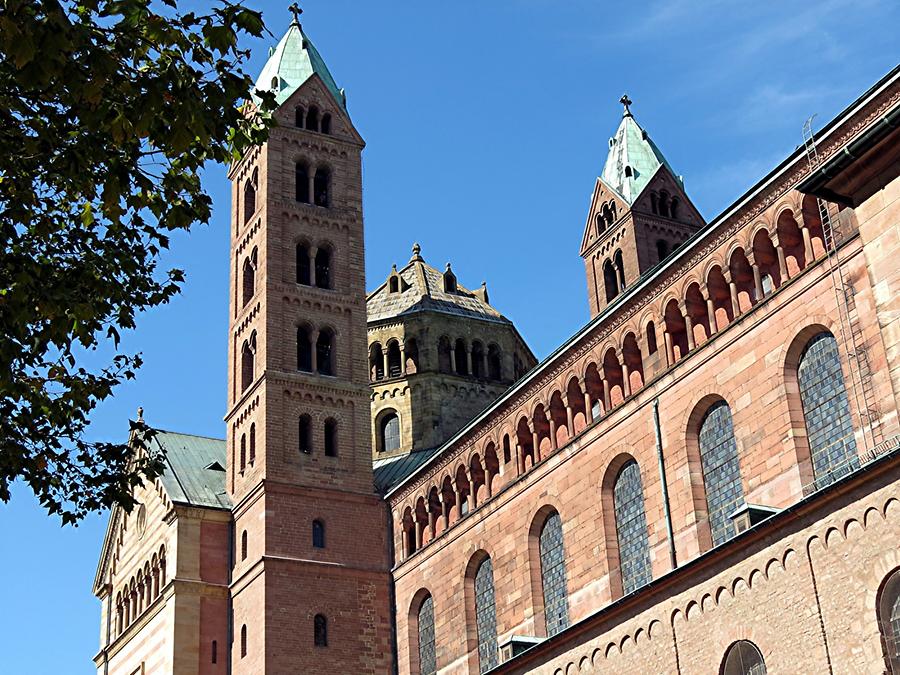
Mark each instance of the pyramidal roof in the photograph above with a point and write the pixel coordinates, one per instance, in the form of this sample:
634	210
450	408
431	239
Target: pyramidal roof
421	288
633	158
291	63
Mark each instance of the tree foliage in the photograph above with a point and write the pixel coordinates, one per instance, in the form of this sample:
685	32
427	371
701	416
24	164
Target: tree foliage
109	109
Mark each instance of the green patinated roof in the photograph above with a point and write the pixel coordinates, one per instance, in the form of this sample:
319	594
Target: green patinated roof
632	147
291	63
195	469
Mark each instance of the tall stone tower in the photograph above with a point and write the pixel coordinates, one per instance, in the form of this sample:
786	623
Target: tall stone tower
639	214
309	583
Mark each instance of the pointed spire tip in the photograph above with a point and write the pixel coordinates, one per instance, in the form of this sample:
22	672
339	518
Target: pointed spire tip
626	102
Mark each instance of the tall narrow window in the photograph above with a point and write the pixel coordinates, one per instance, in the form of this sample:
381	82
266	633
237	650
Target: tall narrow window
721	471
252	443
889	621
743	658
662	250
495	369
390	432
303	270
553	575
427	655
610	281
631	528
325	352
826	409
486	616
395	366
243	452
304	350
243	640
462	365
318	534
247	356
312	119
321	187
301	176
250	198
320	631
214	652
323	268
244	545
620	269
305	435
331	438
326	123
298	117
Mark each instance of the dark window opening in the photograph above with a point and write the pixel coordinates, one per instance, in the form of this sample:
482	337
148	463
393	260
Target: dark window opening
302	183
305	429
323	268
243	641
320	631
325	352
214	652
494	364
743	658
298	118
318	534
326	123
248	350
331	439
244	545
390	432
312	119
321	184
304	350
303	271
662	250
243	452
250	199
610	281
252	443
462	365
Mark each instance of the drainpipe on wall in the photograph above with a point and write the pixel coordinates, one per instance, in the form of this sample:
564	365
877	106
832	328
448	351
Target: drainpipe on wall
665	488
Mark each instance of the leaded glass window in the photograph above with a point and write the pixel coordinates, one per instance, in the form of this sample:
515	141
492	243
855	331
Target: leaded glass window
889	622
743	658
826	410
486	616
721	471
553	575
390	432
427	657
631	528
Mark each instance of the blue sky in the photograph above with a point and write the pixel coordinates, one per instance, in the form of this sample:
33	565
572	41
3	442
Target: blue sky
486	125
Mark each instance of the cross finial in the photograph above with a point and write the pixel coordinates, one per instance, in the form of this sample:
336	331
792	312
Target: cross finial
625	101
296	11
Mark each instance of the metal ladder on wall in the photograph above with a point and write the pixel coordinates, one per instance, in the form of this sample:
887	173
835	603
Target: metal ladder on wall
848	317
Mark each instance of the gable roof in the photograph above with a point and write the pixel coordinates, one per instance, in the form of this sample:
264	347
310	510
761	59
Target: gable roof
291	63
192	476
632	160
422	290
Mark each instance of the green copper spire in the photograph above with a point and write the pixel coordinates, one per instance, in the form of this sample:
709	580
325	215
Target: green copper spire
633	158
292	62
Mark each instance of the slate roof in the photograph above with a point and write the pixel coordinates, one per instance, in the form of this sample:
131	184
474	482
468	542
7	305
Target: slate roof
391	471
422	290
632	147
192	475
293	61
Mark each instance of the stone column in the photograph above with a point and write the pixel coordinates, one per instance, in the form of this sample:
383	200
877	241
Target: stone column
626	384
384	358
711	314
782	263
452	359
553	445
469	359
314	356
757	282
807	244
607	403
588	408
670	351
312	265
312	185
535	443
688	326
570	417
402	360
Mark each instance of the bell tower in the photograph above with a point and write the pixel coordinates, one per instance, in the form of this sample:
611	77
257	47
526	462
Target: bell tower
310	580
639	214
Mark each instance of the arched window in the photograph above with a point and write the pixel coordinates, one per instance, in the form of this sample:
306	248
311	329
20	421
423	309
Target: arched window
244	545
376	362
444	361
478	360
305	436
507	450
664	204
318	534
631	528
620	269
486	616
654	203
826	410
243	640
323	267
325	352
248	352
303	271
252	443
462	365
651	338
495	369
331	438
721	470
673	208
243	452
743	658
321	186
312	119
610	280
326	123
390	432
250	198
553	575
427	655
301	176
394	284
304	350
320	631
662	249
889	621
248	285
395	366
298	117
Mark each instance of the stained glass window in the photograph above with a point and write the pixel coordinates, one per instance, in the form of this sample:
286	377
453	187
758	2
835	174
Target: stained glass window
721	471
553	575
631	528
486	616
427	657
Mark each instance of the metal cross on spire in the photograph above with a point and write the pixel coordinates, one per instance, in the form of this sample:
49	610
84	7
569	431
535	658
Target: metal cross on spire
625	101
296	11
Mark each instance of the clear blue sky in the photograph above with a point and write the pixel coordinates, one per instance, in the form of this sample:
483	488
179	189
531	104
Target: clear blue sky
486	125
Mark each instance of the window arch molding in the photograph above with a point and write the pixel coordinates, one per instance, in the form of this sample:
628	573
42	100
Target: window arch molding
538	574
422	656
743	658
481	644
793	354
383	419
699	497
619	462
887	609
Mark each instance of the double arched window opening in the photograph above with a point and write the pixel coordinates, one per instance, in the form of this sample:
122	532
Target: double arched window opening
614	275
248	277
316	352
311	120
313	185
313	265
248	361
305	444
250	189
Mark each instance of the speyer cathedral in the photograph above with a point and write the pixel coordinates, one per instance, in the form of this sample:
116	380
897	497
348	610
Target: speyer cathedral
705	478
